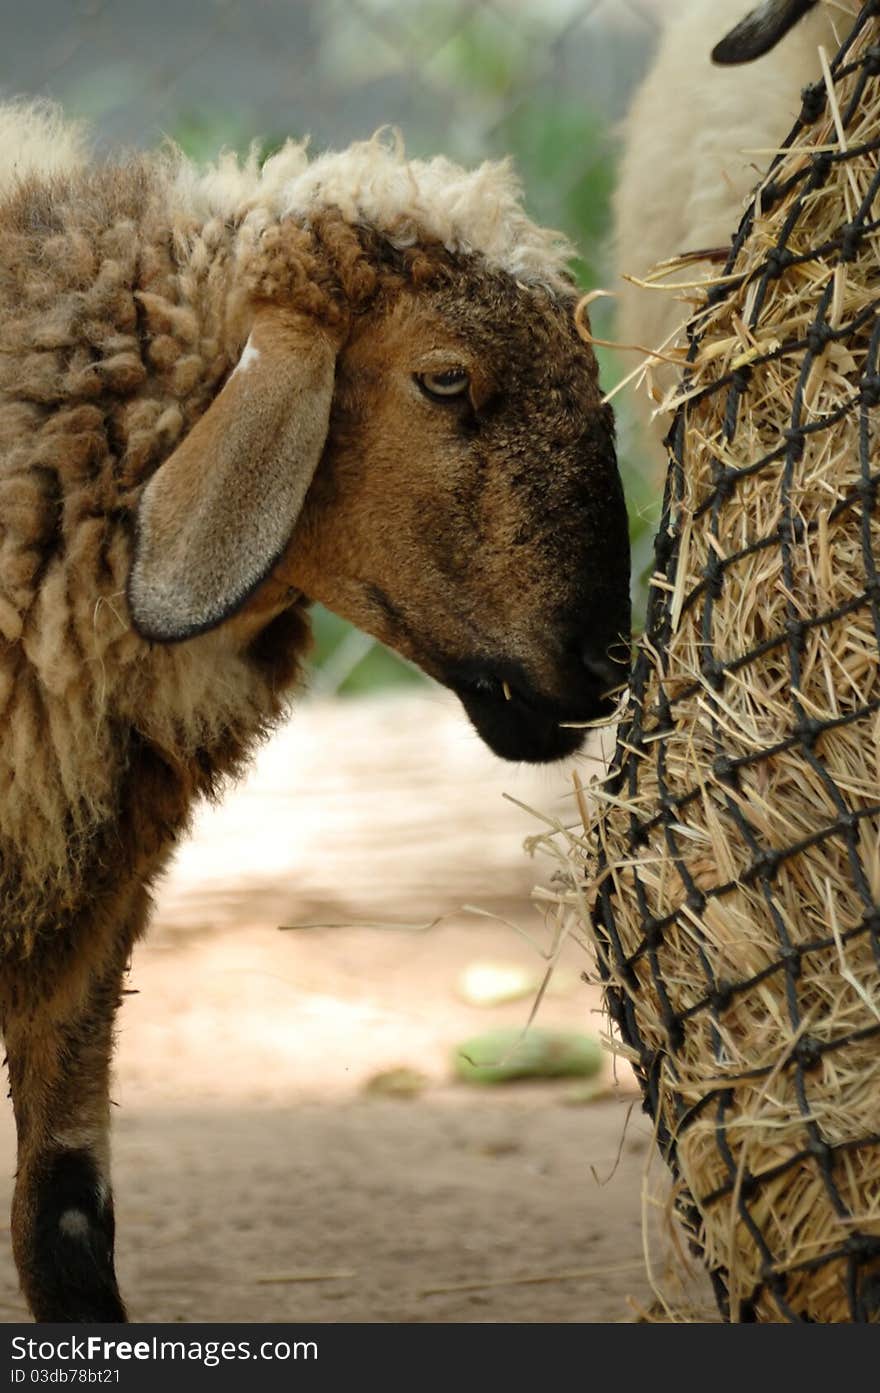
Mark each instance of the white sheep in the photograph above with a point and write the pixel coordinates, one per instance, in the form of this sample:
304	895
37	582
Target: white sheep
698	137
225	393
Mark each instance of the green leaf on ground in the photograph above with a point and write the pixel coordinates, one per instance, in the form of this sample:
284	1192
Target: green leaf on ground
502	1055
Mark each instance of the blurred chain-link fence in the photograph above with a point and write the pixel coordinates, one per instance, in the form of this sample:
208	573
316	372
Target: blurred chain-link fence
543	80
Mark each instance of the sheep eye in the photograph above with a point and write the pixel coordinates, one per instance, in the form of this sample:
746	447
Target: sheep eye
443	385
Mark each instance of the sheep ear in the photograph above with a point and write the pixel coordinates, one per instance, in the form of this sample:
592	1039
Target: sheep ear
760	31
217	515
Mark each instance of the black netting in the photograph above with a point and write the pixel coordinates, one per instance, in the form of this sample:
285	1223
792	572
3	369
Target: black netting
655	704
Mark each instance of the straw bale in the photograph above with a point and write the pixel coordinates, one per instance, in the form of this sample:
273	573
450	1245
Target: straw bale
734	861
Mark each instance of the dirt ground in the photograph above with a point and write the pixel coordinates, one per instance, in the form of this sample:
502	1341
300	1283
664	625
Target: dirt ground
258	1175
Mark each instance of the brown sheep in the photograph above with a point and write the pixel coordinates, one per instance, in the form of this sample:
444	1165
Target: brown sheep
224	394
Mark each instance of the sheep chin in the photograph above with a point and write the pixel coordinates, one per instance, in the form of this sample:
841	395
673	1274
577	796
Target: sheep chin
517	732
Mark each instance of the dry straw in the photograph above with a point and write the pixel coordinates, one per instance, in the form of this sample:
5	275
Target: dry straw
734	866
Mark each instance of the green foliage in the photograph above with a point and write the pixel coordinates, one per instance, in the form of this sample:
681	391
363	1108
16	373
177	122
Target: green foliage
202	136
506	1054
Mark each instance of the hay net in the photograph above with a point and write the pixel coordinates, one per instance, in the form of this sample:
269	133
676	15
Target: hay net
737	914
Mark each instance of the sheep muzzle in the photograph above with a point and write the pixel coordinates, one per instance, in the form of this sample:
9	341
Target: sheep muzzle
518	722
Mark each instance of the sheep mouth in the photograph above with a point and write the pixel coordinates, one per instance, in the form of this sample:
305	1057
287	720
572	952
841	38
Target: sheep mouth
520	725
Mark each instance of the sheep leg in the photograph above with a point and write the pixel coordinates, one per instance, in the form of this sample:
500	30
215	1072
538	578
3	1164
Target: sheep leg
58	1051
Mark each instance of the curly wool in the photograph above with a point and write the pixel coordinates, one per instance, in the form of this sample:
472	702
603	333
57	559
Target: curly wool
372	184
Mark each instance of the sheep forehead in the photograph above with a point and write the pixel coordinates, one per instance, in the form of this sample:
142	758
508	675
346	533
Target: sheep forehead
538	367
539	343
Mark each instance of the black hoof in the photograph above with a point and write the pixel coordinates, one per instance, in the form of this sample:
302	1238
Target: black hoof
68	1272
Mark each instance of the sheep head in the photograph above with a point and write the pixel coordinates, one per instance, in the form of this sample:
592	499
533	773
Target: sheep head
418	441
